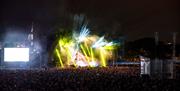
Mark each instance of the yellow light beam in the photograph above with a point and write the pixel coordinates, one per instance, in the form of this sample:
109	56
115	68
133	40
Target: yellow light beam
92	54
84	53
69	55
102	57
87	48
59	56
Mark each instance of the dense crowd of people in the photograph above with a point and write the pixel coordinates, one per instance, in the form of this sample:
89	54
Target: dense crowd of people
83	79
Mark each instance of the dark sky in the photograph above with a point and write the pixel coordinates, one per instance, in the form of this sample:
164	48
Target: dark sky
133	18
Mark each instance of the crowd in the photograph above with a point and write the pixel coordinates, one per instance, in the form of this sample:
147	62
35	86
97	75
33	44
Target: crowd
83	79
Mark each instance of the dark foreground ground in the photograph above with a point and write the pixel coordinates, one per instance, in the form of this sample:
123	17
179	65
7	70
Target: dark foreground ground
83	79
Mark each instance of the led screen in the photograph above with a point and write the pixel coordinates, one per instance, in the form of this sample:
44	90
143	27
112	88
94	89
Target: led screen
16	54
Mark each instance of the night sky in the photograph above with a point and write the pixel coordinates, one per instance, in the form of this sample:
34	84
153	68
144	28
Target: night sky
133	18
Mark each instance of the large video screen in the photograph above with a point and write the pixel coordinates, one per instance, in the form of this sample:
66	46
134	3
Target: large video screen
16	54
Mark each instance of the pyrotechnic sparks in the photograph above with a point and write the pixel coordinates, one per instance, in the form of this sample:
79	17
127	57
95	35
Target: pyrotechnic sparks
84	50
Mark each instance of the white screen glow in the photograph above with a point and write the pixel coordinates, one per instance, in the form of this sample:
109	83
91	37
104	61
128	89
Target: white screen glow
16	54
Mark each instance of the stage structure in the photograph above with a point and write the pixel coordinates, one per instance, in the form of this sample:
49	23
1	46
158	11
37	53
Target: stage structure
18	51
83	50
164	68
145	66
